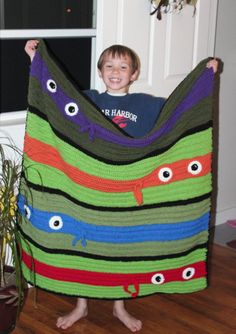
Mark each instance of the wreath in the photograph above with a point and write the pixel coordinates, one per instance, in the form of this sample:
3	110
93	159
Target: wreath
170	6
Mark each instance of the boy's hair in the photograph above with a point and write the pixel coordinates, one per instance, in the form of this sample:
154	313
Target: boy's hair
120	50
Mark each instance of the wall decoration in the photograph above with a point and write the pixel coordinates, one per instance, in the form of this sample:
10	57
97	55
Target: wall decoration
170	6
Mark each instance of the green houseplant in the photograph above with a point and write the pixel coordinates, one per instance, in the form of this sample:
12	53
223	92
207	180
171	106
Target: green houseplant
12	284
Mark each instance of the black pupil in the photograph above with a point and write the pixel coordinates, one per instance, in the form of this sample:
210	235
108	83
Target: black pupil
71	109
56	223
158	279
166	174
188	273
52	85
194	167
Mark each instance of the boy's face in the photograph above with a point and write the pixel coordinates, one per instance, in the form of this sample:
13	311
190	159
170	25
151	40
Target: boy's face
117	73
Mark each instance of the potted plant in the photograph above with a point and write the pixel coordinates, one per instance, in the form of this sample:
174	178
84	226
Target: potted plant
12	283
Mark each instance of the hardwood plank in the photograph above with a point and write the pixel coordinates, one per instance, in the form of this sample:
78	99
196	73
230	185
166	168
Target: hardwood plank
211	311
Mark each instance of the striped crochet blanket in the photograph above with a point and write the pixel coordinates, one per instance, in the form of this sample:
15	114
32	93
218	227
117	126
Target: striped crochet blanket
106	215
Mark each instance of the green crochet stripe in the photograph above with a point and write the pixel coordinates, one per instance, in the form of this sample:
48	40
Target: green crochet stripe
72	262
83	290
142	249
170	214
174	191
194	145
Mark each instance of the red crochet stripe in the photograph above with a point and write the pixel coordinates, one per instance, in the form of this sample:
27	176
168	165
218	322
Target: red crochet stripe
48	155
108	279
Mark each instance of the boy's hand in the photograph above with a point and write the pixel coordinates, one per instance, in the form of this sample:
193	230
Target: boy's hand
30	48
213	63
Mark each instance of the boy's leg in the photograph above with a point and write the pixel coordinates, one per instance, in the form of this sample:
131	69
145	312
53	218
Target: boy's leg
127	319
79	312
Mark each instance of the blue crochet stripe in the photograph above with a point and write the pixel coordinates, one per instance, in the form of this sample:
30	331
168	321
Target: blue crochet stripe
55	222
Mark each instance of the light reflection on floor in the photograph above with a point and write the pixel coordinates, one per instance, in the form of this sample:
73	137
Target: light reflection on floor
225	234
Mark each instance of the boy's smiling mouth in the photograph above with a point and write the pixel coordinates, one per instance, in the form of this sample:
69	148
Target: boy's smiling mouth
115	79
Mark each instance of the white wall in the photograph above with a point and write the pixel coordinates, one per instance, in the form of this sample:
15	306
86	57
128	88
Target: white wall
225	48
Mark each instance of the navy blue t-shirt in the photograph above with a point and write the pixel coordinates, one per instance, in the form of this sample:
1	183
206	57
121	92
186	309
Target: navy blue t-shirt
135	113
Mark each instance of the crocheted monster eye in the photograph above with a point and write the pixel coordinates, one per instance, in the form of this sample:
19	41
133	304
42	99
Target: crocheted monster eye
27	211
51	86
55	223
165	174
71	109
188	273
158	278
195	167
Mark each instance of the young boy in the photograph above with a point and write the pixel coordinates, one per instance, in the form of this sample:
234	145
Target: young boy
136	114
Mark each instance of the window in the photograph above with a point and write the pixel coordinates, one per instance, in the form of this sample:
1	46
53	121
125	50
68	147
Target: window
46	14
15	67
66	26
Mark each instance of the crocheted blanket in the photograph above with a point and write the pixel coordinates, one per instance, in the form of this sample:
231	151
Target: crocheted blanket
106	215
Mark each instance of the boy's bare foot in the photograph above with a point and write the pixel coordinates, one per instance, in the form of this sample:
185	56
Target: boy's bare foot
127	319
79	312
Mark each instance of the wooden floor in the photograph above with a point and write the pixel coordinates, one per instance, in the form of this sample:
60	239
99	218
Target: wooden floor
210	311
